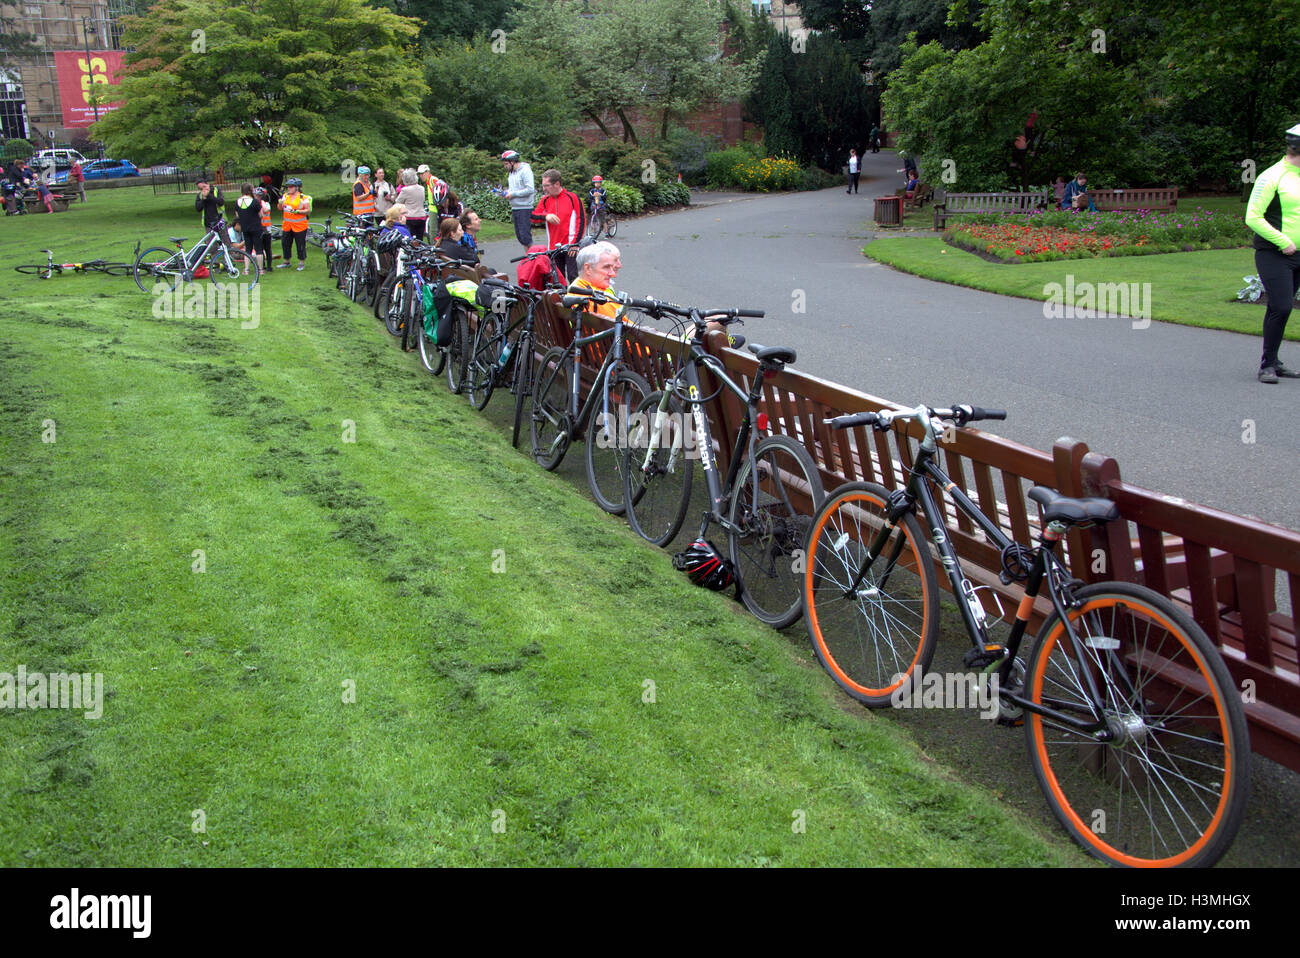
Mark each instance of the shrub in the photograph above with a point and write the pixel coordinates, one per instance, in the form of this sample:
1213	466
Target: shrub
815	178
479	197
769	173
624	200
688	149
461	166
668	194
18	149
720	167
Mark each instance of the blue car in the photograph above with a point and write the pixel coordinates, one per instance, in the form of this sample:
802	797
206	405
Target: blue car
109	169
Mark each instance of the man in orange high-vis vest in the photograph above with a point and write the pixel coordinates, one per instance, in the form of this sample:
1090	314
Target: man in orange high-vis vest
295	205
363	195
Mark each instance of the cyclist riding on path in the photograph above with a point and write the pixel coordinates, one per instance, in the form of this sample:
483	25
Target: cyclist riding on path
596	195
520	191
1274	214
566	220
363	195
295	206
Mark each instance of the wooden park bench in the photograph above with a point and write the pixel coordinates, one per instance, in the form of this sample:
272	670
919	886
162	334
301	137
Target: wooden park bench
1143	198
923	193
959	204
58	201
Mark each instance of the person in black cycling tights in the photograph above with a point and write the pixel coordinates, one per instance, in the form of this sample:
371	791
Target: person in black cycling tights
1274	214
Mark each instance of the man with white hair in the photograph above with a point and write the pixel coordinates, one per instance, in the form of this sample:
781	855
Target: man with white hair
598	265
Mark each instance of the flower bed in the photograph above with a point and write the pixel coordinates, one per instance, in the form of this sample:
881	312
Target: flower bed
1041	235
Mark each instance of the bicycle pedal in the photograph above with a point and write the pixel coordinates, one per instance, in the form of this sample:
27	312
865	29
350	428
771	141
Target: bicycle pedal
983	658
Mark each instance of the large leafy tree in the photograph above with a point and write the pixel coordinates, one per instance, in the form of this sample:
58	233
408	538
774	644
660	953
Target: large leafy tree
892	21
275	84
488	94
664	56
443	20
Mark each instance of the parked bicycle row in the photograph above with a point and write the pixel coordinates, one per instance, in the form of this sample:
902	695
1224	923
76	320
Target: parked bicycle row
1134	729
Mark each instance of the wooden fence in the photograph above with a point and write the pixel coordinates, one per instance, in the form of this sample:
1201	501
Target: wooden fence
1226	570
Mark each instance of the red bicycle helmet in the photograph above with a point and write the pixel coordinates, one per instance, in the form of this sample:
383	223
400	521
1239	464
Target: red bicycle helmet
598	179
705	567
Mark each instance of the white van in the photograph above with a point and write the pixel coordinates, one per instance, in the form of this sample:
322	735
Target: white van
56	159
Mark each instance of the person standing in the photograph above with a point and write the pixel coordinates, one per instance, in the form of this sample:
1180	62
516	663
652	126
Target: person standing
296	206
78	176
1273	212
853	172
363	196
209	203
566	221
874	137
384	193
248	211
520	190
261	195
411	196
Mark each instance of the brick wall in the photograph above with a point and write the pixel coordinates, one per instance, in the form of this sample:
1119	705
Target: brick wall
722	120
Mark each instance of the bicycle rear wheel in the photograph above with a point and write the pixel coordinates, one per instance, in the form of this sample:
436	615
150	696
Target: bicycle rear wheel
395	306
457	349
41	270
657	485
606	448
156	265
771	530
611	225
431	357
232	266
116	269
1169	787
485	359
872	640
523	382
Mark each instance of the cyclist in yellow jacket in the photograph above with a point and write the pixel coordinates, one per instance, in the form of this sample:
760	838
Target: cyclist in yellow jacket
1274	214
295	205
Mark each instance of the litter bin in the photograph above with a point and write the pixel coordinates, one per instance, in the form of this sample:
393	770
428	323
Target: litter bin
889	211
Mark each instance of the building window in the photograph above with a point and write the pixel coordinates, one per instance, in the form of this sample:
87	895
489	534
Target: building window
762	8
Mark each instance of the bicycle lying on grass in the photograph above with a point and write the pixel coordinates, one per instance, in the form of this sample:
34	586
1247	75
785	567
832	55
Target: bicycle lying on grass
1135	732
160	265
50	268
768	497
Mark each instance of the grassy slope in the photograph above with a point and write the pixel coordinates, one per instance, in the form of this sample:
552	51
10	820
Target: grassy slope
371	563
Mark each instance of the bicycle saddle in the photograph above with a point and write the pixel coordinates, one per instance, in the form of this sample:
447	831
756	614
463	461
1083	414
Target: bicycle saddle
178	239
772	354
1057	507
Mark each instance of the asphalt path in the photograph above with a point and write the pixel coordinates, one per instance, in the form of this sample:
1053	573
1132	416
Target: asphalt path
1179	408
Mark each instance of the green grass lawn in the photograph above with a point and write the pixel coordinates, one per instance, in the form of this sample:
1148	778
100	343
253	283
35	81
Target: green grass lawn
1193	289
341	622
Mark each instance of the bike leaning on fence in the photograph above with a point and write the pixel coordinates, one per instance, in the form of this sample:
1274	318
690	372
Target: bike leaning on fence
1136	734
170	267
767	499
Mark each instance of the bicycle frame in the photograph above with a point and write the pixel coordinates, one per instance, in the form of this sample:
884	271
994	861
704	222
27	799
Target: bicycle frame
613	361
1046	565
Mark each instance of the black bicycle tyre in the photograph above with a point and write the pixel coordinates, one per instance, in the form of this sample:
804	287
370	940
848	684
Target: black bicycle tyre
769	566
381	297
431	357
1189	747
457	350
627	390
611	225
656	503
485	357
412	320
42	270
154	259
396	306
117	269
227	265
873	645
523	382
549	411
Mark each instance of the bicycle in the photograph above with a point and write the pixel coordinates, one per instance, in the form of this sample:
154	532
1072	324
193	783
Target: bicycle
603	218
772	486
50	269
170	268
1136	735
493	358
555	418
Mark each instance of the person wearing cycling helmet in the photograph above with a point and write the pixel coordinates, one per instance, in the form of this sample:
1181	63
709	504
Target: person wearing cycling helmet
295	205
363	196
1273	212
520	191
596	195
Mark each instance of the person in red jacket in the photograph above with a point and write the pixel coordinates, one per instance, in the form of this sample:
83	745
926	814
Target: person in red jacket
566	220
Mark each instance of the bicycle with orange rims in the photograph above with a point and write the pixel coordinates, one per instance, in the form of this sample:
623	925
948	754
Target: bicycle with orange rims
1135	731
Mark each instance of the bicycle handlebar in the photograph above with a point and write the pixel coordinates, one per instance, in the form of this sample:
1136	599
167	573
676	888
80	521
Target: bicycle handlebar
957	413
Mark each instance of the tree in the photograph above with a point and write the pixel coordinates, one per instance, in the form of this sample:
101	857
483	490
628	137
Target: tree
892	21
443	20
852	22
813	101
278	84
486	94
664	55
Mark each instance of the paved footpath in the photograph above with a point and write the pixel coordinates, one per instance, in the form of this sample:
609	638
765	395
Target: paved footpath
1168	402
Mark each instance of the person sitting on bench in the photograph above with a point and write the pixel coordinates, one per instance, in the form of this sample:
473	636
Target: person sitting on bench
1076	195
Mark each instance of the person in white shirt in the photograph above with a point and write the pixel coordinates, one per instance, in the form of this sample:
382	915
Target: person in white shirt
853	172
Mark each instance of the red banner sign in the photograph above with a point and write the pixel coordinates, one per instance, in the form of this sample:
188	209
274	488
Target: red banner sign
77	75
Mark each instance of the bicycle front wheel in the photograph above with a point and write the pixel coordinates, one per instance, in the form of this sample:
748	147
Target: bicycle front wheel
1168	785
550	409
233	266
431	357
657	482
611	225
606	451
770	530
523	384
871	638
41	270
157	265
116	269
